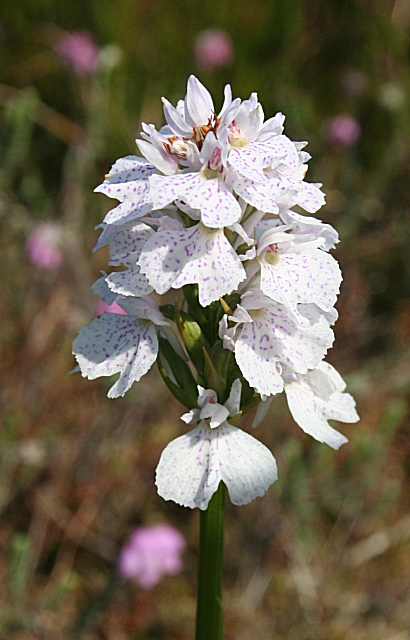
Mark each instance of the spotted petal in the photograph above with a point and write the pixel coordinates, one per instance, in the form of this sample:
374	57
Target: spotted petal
256	156
124	173
274	338
101	288
192	466
113	344
193	255
311	276
310	198
124	176
129	283
219	208
126	242
262	196
137	204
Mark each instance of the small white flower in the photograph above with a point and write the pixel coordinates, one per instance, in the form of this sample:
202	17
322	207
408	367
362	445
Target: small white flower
294	272
194	255
206	190
318	396
269	338
192	466
115	343
195	115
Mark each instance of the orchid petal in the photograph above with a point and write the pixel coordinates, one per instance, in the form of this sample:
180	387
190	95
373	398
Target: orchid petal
194	255
217	414
126	242
311	276
272	127
134	206
315	398
273	338
192	466
112	344
199	106
159	157
129	283
218	206
311	225
311	198
101	289
124	172
175	121
233	404
261	411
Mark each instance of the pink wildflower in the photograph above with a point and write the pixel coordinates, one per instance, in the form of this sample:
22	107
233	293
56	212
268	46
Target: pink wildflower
42	246
151	553
213	49
343	131
79	51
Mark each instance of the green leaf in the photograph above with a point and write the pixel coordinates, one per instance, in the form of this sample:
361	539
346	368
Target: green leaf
213	378
190	292
250	404
181	371
169	311
221	358
180	394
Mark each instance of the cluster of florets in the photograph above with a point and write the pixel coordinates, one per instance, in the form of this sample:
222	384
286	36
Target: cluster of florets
209	211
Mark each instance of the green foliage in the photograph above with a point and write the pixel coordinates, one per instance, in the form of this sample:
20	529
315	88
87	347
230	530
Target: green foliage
179	368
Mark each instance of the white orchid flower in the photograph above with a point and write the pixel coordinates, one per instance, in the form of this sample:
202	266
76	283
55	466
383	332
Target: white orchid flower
192	466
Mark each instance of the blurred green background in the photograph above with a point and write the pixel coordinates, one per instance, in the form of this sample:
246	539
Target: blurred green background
325	554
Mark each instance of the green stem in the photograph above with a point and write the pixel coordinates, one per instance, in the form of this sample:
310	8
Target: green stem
209	615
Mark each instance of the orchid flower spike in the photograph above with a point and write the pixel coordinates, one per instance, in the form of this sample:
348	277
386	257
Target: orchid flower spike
209	212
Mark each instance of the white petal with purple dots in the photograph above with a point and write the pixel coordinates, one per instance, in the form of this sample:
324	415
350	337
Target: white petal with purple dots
192	466
136	205
123	178
125	242
129	283
194	255
128	169
218	206
311	276
113	344
274	338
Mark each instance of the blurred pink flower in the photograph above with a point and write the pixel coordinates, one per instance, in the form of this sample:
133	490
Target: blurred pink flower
78	50
103	307
151	553
343	131
213	49
42	246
